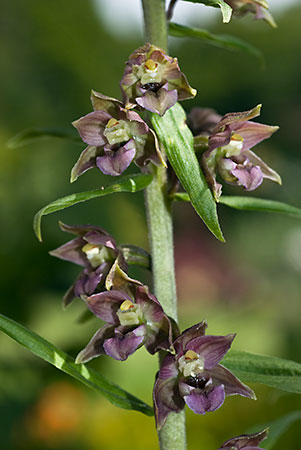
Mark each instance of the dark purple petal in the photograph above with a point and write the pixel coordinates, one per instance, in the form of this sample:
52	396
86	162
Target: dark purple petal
115	162
72	251
246	441
89	280
211	348
187	335
122	346
219	139
158	102
106	304
233	386
97	238
166	394
91	126
101	102
86	161
265	169
202	402
249	177
95	346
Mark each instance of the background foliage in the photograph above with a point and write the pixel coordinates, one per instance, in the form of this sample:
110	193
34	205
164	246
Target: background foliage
53	53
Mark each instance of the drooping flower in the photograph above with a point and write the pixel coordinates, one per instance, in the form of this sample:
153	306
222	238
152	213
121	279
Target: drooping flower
257	7
194	376
245	441
153	80
115	136
132	321
96	251
230	155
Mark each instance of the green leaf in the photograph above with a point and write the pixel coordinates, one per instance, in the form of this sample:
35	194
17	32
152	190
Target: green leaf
136	256
259	204
278	427
30	135
250	204
223	41
177	140
131	183
269	370
47	351
226	10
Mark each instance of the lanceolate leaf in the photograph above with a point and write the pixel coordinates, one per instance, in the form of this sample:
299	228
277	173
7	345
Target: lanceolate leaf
132	183
259	204
225	8
35	134
269	370
250	204
177	140
47	351
222	41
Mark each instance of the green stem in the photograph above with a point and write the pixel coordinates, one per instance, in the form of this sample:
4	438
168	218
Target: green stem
172	436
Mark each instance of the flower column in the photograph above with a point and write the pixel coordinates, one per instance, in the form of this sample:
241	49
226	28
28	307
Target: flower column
172	436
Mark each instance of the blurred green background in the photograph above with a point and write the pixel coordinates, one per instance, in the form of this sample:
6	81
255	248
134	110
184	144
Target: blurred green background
52	54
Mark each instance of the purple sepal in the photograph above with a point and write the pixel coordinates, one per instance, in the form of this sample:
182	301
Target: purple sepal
115	162
245	441
95	346
71	251
91	126
232	385
85	162
203	402
166	393
121	346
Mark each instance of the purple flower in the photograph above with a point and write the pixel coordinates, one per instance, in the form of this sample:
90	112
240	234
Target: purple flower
194	376
229	152
154	80
115	137
132	321
96	251
245	441
257	7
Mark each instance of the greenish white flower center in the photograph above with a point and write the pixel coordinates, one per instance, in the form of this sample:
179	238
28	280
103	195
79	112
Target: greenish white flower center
97	254
130	313
117	131
234	147
149	72
191	364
